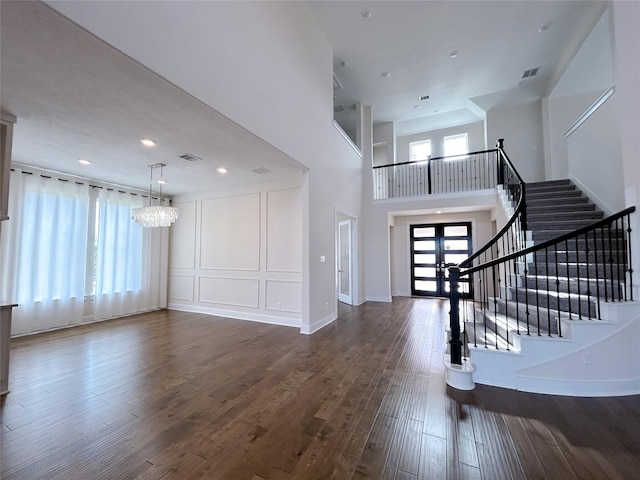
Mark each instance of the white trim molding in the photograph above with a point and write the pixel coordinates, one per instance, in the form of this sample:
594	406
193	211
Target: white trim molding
590	111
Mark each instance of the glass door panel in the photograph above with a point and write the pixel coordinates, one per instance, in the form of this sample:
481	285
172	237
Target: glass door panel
433	248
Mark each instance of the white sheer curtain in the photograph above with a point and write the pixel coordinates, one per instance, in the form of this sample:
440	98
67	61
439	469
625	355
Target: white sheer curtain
43	251
130	260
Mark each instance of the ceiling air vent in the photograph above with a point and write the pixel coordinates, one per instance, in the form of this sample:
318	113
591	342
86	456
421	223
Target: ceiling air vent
530	73
189	158
261	170
338	108
424	97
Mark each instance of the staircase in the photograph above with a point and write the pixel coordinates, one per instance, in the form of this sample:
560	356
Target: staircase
557	207
541	303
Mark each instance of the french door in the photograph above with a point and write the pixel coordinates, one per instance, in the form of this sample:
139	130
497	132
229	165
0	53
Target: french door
433	247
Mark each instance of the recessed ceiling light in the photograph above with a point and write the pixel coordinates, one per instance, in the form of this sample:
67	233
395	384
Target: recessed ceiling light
222	170
453	54
366	13
416	106
438	212
84	161
344	64
386	74
147	142
544	27
436	111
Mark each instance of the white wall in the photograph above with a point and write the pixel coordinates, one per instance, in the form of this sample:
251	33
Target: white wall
475	133
385	134
594	157
382	214
625	20
521	128
238	253
267	67
586	78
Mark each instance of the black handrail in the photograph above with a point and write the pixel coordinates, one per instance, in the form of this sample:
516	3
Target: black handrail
549	243
430	158
531	289
518	221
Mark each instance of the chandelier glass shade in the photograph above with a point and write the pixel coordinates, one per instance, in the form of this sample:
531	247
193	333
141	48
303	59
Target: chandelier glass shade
153	216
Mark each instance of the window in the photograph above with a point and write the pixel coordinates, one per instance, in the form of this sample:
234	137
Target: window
72	253
419	150
456	145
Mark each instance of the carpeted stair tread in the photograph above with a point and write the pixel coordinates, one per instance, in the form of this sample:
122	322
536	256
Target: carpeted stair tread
542	215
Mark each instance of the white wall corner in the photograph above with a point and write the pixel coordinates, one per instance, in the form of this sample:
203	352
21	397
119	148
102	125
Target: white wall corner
323	322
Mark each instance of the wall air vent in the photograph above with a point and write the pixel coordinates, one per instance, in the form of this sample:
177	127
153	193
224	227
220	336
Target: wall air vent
261	170
530	73
338	108
189	158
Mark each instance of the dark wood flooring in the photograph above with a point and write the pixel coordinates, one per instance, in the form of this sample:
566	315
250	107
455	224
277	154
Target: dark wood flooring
187	396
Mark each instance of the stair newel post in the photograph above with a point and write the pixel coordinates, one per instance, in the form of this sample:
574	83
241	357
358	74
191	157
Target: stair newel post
454	315
429	174
500	162
523	214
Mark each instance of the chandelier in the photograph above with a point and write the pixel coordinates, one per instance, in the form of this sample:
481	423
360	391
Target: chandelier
155	215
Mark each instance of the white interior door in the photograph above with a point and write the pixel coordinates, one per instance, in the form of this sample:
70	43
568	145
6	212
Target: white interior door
344	262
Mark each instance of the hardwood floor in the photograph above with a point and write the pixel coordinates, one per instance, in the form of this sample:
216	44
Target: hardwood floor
179	395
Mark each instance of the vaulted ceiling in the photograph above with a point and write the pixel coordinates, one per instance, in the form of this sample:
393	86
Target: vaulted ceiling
469	57
74	94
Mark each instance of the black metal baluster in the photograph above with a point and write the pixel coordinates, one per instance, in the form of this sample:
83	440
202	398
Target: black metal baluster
495	302
537	273
597	258
629	230
613	280
604	264
620	277
555	250
526	293
484	305
429	175
566	262
546	264
624	259
578	278
587	250
475	333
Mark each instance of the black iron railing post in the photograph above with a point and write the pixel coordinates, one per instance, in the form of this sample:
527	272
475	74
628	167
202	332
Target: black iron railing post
429	173
454	316
500	162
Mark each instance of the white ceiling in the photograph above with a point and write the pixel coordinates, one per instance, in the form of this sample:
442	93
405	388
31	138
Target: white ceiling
77	97
496	41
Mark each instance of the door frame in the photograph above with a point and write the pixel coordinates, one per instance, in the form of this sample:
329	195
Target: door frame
344	298
440	278
354	258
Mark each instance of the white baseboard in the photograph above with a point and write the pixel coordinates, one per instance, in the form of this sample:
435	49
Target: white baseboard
604	206
251	317
579	388
379	299
323	322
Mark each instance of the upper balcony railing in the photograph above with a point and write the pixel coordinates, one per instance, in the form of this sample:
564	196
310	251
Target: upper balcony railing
437	175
